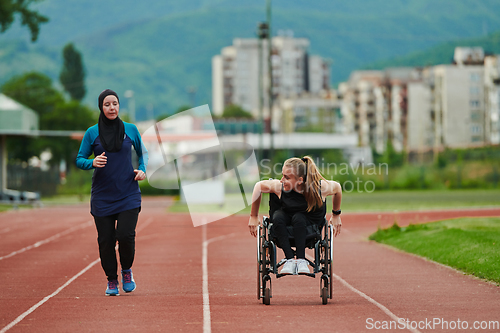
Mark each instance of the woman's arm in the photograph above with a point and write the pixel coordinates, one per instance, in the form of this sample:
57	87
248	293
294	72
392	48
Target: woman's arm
140	150
85	151
264	186
334	189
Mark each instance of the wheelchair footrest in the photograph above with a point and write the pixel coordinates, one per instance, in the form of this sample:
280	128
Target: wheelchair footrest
308	274
305	274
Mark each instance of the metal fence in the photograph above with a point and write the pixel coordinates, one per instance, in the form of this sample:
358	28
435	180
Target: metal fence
22	177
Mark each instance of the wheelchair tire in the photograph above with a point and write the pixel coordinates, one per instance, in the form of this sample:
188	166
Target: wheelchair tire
259	263
324	295
330	261
267	296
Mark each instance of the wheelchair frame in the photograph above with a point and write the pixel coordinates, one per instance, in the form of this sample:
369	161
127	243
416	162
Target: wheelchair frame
266	261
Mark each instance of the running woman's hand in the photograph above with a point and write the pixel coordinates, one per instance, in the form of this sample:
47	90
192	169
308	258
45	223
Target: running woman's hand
100	161
336	223
253	224
139	175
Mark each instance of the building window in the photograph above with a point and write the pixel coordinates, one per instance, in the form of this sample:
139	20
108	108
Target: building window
474	103
475	77
474	90
475	129
475	116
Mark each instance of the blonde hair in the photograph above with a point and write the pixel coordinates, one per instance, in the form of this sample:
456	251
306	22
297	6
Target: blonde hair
307	169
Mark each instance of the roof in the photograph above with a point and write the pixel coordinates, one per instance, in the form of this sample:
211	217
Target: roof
16	118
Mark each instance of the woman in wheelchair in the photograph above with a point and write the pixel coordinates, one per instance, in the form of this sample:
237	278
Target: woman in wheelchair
302	193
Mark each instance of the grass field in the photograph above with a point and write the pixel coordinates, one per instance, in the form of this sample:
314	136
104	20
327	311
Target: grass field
471	245
351	202
380	201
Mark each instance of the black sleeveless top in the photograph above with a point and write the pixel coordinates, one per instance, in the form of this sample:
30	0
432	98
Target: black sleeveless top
292	202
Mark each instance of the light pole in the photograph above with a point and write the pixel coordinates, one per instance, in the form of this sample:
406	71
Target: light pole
270	67
129	94
262	33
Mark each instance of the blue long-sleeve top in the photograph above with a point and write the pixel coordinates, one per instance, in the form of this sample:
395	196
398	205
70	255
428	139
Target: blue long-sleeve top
113	187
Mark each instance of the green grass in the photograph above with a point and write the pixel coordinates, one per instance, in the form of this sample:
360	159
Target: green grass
7	207
351	202
65	199
3	208
232	200
419	200
471	245
381	201
50	201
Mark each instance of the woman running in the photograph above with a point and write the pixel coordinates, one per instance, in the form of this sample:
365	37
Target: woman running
115	197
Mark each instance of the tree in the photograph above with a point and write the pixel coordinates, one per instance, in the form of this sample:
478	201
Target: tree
236	111
72	75
31	18
66	116
35	91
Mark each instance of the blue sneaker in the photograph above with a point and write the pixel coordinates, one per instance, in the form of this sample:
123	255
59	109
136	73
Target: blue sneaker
112	288
128	283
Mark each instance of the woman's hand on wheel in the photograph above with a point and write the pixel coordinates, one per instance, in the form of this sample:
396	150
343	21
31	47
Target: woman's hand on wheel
336	223
253	224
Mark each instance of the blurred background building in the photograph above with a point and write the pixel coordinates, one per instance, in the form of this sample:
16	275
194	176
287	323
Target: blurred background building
416	109
301	83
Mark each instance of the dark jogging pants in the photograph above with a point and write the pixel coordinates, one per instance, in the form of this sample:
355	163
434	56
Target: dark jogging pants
299	222
110	229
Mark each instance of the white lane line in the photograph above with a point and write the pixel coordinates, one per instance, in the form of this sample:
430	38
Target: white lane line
207	324
369	299
37	305
45	299
48	240
145	224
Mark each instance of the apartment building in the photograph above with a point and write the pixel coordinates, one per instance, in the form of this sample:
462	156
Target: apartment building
237	73
453	105
310	113
375	105
459	105
492	98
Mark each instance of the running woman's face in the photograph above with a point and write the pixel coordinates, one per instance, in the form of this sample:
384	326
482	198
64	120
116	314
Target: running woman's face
110	107
290	180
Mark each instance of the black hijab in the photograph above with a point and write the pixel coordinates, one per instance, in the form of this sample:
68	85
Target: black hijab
111	132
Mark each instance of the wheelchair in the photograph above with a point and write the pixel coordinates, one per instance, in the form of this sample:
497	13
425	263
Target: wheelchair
319	237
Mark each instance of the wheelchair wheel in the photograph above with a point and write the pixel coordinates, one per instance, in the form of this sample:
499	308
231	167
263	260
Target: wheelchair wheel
259	262
330	260
324	295
267	296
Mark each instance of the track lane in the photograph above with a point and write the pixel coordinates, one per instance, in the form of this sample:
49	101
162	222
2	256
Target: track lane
168	269
168	272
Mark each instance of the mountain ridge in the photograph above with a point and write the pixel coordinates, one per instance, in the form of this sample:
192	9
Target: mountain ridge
160	57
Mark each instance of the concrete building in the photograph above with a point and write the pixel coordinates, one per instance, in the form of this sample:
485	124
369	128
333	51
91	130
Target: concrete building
459	105
454	105
420	127
235	74
310	113
358	105
375	105
492	99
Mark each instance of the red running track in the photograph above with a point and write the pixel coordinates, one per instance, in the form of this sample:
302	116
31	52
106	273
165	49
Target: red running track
51	280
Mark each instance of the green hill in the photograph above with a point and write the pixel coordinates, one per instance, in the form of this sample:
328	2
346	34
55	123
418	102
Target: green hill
441	54
158	49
